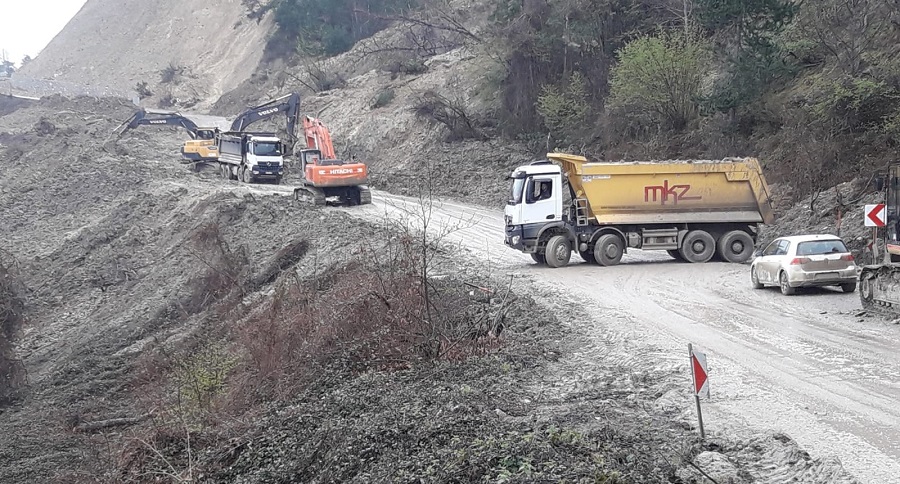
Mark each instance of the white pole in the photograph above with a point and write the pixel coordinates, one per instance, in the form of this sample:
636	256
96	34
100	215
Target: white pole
694	390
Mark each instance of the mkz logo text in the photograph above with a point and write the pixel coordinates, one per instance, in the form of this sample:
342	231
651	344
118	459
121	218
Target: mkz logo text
663	193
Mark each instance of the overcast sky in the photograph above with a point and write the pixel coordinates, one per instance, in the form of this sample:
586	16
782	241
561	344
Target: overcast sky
26	26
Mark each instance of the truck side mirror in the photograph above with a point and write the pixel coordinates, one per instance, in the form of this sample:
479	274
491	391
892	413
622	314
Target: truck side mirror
879	183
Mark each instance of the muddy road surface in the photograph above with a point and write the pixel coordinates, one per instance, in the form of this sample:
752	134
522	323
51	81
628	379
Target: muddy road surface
811	366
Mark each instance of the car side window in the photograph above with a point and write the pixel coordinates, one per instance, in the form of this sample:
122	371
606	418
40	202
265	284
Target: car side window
783	247
772	248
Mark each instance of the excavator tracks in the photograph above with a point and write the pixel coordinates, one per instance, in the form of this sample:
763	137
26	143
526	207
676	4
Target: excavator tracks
879	289
313	195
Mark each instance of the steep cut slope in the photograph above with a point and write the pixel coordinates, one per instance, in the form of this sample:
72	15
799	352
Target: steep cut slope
210	47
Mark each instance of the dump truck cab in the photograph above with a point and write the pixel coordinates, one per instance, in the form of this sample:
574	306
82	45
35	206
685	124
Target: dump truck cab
535	204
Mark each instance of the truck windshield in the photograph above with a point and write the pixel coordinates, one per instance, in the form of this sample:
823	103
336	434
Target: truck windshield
267	148
518	186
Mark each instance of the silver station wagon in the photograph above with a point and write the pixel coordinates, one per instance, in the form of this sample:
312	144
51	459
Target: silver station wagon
804	261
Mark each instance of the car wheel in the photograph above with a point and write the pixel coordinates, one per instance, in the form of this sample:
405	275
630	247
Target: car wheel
848	287
558	251
698	246
786	288
609	249
754	279
539	258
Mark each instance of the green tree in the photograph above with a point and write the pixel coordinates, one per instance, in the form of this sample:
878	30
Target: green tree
330	27
756	61
658	78
565	110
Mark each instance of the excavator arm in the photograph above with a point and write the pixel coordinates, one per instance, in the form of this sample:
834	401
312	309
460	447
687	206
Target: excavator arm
146	117
318	137
289	105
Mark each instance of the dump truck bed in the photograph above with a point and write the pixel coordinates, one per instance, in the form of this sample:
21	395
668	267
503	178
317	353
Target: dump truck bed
731	190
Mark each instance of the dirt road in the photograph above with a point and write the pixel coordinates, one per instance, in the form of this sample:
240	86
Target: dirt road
805	365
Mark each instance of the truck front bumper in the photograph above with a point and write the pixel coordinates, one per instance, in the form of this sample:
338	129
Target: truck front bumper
523	238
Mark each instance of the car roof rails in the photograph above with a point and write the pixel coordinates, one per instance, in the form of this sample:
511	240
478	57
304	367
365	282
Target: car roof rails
542	162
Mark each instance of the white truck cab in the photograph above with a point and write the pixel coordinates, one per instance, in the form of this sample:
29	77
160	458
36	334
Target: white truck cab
536	199
265	157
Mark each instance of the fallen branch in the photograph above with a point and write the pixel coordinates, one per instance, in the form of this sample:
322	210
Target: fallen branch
113	422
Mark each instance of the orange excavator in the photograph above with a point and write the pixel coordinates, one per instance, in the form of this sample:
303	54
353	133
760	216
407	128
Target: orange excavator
324	174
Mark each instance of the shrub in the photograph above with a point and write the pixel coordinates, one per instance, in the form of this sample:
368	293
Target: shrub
451	113
382	99
143	90
171	73
659	78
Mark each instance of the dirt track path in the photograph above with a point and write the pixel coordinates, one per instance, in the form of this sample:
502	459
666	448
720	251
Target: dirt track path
803	365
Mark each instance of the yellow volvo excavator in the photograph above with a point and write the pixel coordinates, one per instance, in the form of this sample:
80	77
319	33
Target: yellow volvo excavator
200	148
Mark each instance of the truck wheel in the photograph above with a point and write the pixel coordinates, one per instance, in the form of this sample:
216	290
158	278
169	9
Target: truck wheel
698	246
675	254
735	246
608	249
539	258
558	251
248	175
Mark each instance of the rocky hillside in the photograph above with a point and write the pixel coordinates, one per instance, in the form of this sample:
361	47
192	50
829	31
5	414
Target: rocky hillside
185	50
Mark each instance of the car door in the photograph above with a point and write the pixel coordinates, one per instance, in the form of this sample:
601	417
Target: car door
781	259
767	265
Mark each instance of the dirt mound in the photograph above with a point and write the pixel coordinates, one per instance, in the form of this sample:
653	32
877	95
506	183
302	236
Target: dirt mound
190	50
837	210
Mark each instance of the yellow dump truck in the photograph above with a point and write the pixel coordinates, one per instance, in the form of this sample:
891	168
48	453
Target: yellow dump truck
695	210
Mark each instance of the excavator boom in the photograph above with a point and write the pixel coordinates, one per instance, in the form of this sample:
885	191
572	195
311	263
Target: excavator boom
144	117
318	137
289	105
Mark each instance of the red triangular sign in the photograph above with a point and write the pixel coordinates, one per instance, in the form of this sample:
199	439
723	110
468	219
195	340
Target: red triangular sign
699	374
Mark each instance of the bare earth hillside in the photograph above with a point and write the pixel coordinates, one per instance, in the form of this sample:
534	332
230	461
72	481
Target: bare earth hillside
118	43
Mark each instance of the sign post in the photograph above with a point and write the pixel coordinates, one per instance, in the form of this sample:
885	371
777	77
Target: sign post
699	375
874	217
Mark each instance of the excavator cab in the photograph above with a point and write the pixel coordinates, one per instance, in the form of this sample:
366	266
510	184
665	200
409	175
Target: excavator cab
309	157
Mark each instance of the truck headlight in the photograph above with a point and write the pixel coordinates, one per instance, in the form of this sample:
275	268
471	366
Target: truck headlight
515	239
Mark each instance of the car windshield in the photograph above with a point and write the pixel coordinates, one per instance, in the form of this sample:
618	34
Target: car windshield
266	148
819	247
516	195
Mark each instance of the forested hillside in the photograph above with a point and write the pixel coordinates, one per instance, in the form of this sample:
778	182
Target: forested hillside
812	88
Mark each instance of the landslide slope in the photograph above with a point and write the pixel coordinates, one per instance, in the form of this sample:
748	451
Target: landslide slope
118	43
